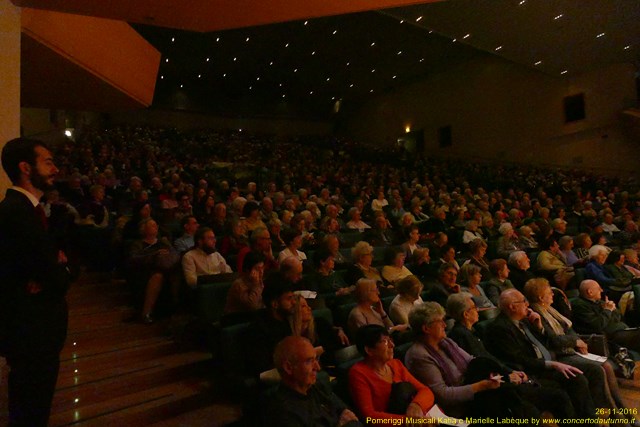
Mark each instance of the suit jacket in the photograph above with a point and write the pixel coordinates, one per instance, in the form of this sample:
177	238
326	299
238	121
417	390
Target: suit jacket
29	254
508	343
589	317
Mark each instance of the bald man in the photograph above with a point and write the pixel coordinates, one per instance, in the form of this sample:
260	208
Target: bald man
510	339
299	400
594	315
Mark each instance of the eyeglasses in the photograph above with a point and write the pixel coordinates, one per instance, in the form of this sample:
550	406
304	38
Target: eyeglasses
524	301
386	340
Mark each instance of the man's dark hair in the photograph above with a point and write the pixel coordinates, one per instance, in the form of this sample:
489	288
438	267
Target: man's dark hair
19	150
321	255
275	285
185	220
200	234
251	259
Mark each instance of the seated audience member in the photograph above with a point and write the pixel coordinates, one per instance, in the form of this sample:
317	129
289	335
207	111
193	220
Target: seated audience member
251	214
131	229
581	245
596	270
566	247
381	234
332	243
553	263
437	246
369	310
559	227
394	269
291	271
318	331
271	324
260	241
446	285
520	265
608	227
439	363
189	226
594	315
499	282
93	212
566	344
245	294
470	277
614	265
233	243
411	244
488	228
409	290
324	280
508	241
362	254
478	251
371	380
420	264
631	262
462	309
437	223
378	204
218	222
293	240
203	261
510	340
299	400
526	240
152	261
471	232
355	221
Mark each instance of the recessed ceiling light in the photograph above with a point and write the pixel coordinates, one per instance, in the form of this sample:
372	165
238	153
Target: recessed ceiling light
334	32
306	22
498	48
371	91
564	72
173	39
454	40
430	31
419	18
522	2
328	78
394	77
235	59
284	96
257	79
247	39
161	77
217	39
199	75
311	93
208	59
280	85
286	45
224	75
373	70
399	52
351	85
538	63
166	60
421	59
313	53
250	87
600	35
373	44
348	63
558	17
402	21
466	36
295	70
271	63
627	47
333	97
181	86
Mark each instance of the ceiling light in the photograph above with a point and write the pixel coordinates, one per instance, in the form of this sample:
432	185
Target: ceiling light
271	63
538	63
161	77
454	40
466	36
311	93
173	39
328	78
166	60
199	75
373	44
419	18
306	22
208	59
498	48
258	79
286	45
217	39
627	47
69	134
371	91
373	70
247	39
313	53
399	52
394	77
280	84
295	70
421	59
558	17
284	96
351	85
430	31
333	97
348	63
334	32
181	86
402	21
224	75
600	35
522	2
250	87
564	72
235	59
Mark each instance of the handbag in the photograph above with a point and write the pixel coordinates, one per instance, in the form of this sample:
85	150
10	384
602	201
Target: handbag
597	344
402	394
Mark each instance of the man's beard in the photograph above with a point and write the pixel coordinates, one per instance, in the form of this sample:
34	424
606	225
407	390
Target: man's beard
40	181
209	249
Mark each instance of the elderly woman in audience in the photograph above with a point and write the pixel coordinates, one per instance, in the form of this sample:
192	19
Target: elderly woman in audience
318	331
508	241
379	203
527	242
566	244
471	232
440	363
631	262
582	243
614	265
369	310
520	265
448	256
421	265
251	214
323	279
245	294
362	254
371	380
394	269
332	243
596	270
233	243
499	282
153	262
552	262
293	239
409	290
478	250
470	277
566	344
355	221
275	228
446	285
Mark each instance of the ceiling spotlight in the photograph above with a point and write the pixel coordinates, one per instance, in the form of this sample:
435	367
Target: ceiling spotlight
247	39
351	85
454	40
394	77
166	60
498	48
564	72
173	39
558	17
199	75
311	93
286	45
334	32
208	59
399	52
466	36
284	96
217	39
280	84
313	53
522	2
161	77
271	63
328	78
250	87
348	63
295	70
430	31
538	63
600	35
373	44
224	75
627	47
371	91
306	22
181	86
402	21
373	70
258	79
419	18
421	59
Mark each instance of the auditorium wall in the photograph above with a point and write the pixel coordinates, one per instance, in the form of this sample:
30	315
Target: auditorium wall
499	110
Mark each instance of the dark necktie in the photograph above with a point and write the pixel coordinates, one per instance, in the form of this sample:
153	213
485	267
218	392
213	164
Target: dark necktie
43	217
540	349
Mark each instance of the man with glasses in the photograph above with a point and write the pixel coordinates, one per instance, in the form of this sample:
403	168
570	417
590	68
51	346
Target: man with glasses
509	337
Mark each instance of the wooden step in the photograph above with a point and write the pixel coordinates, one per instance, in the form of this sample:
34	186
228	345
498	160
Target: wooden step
112	344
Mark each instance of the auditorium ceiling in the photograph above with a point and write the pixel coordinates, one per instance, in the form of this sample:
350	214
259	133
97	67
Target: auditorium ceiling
314	67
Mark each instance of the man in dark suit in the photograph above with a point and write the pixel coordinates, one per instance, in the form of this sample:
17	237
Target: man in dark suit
510	339
33	284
